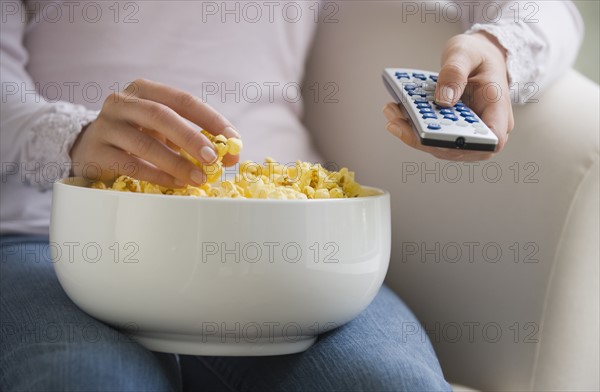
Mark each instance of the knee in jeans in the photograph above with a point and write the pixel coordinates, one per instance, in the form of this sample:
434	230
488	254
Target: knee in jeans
384	374
90	367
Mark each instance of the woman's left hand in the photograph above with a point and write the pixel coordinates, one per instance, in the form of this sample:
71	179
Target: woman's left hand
474	70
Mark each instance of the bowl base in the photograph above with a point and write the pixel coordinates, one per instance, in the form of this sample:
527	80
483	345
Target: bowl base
198	345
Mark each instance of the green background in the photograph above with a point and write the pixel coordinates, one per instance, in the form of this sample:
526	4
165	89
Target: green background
587	62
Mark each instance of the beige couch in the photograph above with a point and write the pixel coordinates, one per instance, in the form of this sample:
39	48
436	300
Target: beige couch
523	320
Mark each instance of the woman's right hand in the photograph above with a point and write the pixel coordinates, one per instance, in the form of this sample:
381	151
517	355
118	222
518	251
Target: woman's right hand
140	131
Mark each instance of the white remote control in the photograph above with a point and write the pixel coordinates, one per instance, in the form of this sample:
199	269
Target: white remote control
450	127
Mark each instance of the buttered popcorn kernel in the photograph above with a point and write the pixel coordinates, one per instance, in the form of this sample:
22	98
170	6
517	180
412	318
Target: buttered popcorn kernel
302	180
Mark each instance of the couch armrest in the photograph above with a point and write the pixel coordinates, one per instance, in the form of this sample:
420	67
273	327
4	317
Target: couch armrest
567	357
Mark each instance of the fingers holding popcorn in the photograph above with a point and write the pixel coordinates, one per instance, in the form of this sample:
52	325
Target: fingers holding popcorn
152	151
150	121
164	120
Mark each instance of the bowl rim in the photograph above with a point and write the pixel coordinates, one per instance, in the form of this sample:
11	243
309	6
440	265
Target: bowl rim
78	182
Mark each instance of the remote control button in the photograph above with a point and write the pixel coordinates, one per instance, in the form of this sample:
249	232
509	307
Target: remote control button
423	105
466	114
426	110
429	115
434	126
419	76
402	75
445	121
471	119
410	87
459	105
463	109
415	92
462	123
451	117
482	130
428	86
446	111
418	100
430	97
433	77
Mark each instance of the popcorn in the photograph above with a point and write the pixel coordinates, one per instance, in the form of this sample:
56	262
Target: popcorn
302	180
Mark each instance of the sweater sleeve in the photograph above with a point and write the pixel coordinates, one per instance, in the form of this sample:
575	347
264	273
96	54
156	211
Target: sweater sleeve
35	135
541	38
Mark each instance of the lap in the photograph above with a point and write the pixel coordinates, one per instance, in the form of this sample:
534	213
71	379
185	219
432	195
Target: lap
382	349
48	343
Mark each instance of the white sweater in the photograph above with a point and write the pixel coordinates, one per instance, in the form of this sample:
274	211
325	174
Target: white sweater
60	60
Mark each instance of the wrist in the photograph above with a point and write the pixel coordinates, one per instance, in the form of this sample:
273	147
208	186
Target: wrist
74	154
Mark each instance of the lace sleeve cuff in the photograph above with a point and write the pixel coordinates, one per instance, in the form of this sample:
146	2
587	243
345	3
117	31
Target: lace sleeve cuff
522	50
46	153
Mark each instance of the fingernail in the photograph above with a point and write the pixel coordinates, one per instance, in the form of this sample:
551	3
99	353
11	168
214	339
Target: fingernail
179	183
393	128
229	132
208	154
447	95
197	176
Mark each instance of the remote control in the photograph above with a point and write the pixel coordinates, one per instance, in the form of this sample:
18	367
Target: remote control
451	127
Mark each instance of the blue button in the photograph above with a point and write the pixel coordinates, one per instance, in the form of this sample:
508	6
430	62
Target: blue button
419	76
451	117
401	75
460	105
418	99
463	109
423	105
466	114
426	110
446	111
434	78
411	93
429	115
471	119
410	87
434	126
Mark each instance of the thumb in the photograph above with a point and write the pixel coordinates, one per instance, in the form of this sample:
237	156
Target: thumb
452	79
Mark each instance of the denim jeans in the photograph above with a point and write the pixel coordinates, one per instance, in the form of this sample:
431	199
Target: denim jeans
49	344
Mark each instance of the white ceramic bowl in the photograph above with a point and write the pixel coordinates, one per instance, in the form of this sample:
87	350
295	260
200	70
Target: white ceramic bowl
219	276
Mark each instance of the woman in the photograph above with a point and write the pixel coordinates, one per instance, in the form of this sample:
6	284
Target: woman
68	105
